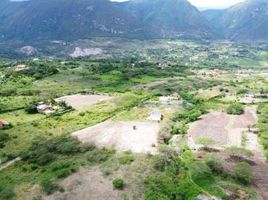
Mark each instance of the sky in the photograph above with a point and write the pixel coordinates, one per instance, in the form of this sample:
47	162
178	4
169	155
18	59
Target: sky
209	4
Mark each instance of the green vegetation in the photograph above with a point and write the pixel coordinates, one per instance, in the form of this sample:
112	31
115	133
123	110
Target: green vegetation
126	159
118	183
235	109
263	126
243	173
50	154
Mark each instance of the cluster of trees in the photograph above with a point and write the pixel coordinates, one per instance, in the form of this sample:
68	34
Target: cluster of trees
185	177
35	70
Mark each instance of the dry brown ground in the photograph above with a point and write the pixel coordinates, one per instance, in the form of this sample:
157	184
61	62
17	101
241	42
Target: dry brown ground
93	184
223	129
80	101
122	136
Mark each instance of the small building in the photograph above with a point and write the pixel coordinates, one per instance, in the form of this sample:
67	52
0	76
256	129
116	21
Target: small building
45	108
174	98
155	116
4	124
248	99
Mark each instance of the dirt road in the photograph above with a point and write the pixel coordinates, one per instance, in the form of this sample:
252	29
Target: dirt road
260	171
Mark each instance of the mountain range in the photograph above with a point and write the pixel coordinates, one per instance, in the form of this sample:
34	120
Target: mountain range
78	19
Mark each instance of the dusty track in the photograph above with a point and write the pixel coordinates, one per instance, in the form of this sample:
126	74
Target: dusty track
260	171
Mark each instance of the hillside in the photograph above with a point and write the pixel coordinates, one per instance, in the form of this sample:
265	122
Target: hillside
61	19
171	18
245	21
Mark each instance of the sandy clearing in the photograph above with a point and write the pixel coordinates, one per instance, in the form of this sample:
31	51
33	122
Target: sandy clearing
90	185
80	101
223	129
122	136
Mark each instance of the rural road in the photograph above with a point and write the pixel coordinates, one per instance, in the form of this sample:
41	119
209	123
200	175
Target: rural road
261	176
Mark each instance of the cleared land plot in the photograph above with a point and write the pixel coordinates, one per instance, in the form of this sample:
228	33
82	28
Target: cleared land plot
138	137
80	101
223	129
89	185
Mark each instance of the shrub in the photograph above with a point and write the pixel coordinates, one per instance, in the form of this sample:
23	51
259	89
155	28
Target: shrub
118	183
99	155
45	150
49	187
238	151
4	137
235	109
63	168
215	164
6	192
126	159
243	173
31	109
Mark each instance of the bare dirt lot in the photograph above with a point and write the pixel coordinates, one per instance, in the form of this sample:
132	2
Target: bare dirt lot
223	129
91	185
138	137
80	101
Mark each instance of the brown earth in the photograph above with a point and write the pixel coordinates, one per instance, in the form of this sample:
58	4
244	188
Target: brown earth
138	137
80	101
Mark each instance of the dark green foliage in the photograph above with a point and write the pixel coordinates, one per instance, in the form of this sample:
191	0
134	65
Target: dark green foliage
215	164
35	70
235	109
63	168
31	108
4	137
6	192
243	173
99	155
191	115
49	186
45	150
180	128
118	183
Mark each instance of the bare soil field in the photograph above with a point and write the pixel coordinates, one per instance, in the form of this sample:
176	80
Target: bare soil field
138	137
80	101
223	129
90	185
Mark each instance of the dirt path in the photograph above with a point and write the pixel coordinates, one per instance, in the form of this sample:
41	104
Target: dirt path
260	171
8	164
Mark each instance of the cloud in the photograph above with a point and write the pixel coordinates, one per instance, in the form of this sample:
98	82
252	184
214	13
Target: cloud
207	4
214	3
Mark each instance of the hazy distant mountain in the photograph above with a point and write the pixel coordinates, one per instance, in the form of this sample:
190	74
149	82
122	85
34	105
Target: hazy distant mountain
170	18
247	21
66	19
36	20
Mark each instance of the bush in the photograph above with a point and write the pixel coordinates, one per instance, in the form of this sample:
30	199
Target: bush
99	155
49	187
63	168
118	183
6	192
215	164
4	137
235	109
45	150
243	173
126	159
31	109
